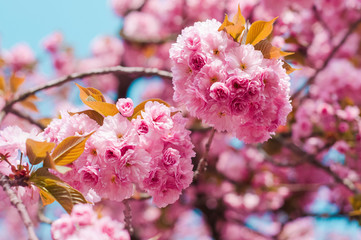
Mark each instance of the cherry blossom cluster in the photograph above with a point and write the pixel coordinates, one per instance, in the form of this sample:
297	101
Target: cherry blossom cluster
337	83
151	153
84	223
12	149
228	85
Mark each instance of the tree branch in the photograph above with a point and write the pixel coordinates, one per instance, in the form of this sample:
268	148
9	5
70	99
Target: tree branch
130	71
169	38
41	216
202	165
128	217
26	117
312	160
16	202
271	160
328	59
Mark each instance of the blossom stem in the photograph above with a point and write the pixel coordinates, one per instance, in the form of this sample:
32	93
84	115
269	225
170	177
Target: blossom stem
202	165
17	203
128	217
26	117
41	216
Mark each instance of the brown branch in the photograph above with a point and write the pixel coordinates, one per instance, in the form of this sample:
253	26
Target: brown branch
169	38
271	160
41	216
128	217
328	59
17	203
130	71
26	117
202	165
320	19
312	160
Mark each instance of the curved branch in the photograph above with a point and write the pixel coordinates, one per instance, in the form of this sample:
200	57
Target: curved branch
41	216
169	38
312	160
26	117
16	202
132	71
328	59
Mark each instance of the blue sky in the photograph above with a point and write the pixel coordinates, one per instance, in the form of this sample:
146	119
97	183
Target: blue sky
79	20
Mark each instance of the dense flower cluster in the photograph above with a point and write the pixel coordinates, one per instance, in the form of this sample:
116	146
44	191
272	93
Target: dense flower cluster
152	152
337	83
228	85
303	184
83	223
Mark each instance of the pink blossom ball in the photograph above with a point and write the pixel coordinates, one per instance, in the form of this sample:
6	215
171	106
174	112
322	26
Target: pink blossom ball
228	85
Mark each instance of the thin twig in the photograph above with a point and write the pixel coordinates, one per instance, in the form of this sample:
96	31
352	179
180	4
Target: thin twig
26	117
132	71
202	165
328	59
319	18
41	216
312	160
128	217
17	203
271	160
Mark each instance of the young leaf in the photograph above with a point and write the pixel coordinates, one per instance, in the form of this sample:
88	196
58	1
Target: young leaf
92	115
270	51
37	151
53	187
95	100
62	169
2	84
140	107
49	163
234	28
69	150
259	30
94	93
45	121
288	67
46	198
30	105
15	82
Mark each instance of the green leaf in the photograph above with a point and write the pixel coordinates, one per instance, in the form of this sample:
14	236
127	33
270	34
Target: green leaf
37	151
92	114
138	109
95	100
259	30
69	149
54	188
